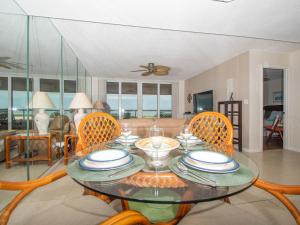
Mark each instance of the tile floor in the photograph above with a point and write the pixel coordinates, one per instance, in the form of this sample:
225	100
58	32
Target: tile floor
279	166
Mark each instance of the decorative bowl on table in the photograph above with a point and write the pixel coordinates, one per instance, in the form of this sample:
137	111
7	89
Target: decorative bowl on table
106	160
167	145
210	161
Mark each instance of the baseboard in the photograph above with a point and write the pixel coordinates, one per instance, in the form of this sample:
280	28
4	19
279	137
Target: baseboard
251	150
293	149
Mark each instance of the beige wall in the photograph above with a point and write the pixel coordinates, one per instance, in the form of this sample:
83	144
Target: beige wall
247	72
294	101
216	78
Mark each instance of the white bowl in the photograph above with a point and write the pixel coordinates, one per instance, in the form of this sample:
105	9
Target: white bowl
210	167
168	144
209	157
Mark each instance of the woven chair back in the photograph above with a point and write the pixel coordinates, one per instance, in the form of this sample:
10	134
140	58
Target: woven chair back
97	128
213	128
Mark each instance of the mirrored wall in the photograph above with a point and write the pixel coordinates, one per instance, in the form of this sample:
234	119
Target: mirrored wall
39	77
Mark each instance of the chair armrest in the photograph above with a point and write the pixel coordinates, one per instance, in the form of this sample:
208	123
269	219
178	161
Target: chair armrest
128	217
26	187
278	190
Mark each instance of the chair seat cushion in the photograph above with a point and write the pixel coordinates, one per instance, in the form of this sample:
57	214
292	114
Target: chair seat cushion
60	203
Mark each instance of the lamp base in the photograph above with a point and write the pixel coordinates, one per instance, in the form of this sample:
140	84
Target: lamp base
78	117
41	120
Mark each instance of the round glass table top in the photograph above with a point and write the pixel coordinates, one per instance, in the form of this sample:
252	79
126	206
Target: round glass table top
164	187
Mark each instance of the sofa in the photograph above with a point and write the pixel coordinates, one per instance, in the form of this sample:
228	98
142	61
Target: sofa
140	126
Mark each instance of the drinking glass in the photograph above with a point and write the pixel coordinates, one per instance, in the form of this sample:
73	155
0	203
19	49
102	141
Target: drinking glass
186	134
126	132
156	135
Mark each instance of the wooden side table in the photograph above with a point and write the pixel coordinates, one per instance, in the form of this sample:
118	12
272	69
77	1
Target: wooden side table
68	137
22	137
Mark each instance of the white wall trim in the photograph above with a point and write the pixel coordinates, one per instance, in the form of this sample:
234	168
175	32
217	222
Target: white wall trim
250	150
293	149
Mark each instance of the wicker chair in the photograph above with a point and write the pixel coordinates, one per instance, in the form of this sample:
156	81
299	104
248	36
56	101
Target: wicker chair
216	129
213	128
95	130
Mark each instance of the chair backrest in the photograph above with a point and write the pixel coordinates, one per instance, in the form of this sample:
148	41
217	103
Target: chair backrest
276	121
97	128
213	128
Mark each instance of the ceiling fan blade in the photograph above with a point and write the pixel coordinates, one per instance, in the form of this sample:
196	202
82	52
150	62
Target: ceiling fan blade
146	73
5	66
146	67
138	70
15	65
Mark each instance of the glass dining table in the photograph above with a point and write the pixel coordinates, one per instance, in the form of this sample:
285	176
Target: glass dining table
158	194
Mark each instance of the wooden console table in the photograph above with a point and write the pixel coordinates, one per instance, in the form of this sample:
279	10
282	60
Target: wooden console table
67	138
22	137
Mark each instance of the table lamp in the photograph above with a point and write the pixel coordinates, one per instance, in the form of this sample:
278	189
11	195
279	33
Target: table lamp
80	102
98	105
41	101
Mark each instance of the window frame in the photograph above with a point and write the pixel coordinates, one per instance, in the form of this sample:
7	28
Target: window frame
140	96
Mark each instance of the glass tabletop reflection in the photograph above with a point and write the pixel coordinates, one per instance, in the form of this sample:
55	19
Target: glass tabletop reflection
165	187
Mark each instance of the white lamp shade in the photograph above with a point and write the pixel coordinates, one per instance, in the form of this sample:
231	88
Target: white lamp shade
98	105
81	101
41	100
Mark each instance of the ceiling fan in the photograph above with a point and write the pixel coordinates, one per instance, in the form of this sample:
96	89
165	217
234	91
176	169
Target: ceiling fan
158	70
9	65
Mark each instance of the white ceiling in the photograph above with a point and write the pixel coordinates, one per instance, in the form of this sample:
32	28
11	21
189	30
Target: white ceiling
112	51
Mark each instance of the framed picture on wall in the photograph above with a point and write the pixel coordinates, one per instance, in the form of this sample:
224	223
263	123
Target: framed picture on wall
278	97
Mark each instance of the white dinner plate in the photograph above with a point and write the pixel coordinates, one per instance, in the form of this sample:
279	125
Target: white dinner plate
191	141
98	166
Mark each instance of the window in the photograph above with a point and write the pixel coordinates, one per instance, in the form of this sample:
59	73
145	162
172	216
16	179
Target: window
129	100
149	100
19	102
123	98
4	103
112	97
165	101
52	87
69	93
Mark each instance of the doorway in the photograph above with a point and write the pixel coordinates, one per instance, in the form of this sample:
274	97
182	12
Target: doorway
273	108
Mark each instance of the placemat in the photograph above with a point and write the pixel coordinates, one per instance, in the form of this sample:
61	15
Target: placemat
240	177
77	173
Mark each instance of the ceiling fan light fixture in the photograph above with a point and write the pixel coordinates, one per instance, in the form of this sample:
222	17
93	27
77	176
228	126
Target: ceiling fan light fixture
151	68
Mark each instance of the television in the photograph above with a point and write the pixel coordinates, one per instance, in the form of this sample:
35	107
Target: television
203	101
